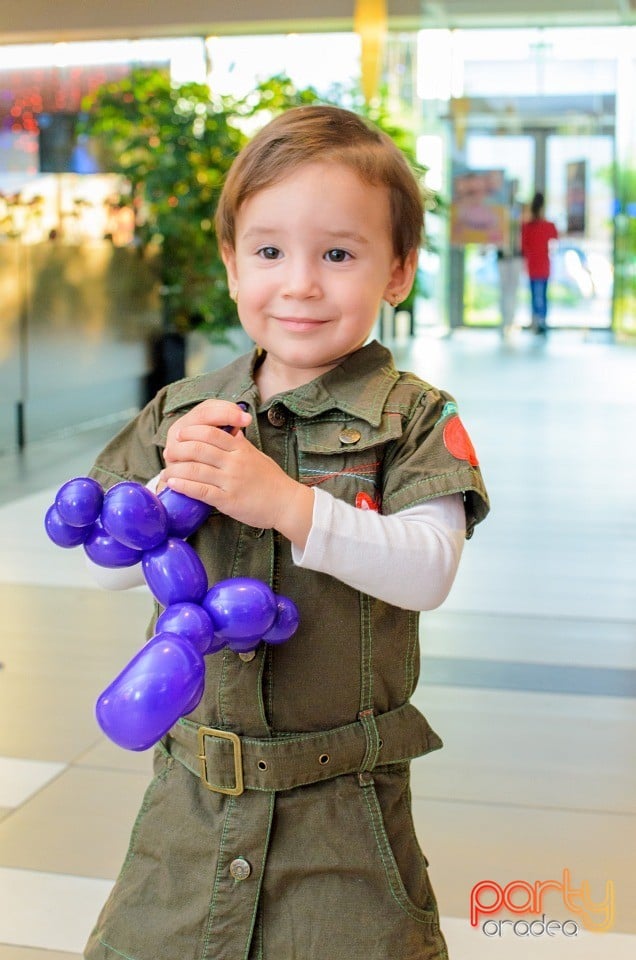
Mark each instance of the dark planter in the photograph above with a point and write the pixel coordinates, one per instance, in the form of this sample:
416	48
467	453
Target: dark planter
167	362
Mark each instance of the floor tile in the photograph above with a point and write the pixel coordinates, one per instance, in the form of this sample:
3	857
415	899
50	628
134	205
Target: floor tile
108	756
28	556
19	779
66	908
489	579
79	824
29	953
41	562
494	674
61	647
70	727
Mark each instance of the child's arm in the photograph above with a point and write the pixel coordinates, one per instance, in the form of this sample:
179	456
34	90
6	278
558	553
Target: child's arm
408	558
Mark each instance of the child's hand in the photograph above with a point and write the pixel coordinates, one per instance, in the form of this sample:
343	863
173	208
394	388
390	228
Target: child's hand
225	470
218	413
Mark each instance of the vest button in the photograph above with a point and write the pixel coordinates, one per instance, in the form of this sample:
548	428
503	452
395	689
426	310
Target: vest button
349	436
240	869
277	415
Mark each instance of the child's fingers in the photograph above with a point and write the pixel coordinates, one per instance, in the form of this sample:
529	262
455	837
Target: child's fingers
196	480
194	461
215	413
205	436
197	443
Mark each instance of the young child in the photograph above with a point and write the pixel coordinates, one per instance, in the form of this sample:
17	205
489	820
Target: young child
350	488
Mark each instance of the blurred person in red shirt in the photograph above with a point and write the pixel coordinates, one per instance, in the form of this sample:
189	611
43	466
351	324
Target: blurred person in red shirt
536	235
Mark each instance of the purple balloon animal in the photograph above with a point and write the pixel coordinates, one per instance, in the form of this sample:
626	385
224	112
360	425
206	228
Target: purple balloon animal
164	681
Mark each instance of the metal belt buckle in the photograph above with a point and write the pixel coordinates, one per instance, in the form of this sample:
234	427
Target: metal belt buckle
204	732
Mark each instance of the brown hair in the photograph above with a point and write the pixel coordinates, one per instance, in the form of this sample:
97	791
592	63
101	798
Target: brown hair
320	134
537	205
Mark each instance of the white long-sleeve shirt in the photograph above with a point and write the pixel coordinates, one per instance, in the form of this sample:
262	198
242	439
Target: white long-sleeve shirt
408	559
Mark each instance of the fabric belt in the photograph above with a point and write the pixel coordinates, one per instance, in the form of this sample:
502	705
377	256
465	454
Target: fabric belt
230	764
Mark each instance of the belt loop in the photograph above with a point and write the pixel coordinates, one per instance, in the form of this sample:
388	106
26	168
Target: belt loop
369	725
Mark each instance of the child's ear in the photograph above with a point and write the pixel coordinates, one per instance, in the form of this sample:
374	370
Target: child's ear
228	256
402	277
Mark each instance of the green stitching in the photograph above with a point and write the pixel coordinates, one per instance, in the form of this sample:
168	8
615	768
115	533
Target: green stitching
221	687
440	476
411	650
114	950
263	654
456	487
396	886
366	673
260	882
217	879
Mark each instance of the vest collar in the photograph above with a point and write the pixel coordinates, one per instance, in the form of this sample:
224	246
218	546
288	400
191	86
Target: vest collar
357	387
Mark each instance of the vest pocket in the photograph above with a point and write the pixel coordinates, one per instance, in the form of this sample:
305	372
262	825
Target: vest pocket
343	455
425	910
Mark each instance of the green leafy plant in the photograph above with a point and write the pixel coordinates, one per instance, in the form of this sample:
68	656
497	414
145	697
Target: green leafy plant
622	179
625	252
174	146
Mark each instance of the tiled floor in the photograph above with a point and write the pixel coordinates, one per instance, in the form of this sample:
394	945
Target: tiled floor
528	671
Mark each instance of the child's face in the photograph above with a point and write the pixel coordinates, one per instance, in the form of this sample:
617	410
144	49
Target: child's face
313	261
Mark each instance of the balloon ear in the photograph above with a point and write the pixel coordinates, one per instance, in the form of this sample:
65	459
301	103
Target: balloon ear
79	501
63	534
133	515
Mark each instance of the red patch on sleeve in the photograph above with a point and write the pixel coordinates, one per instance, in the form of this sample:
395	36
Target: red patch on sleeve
366	502
457	441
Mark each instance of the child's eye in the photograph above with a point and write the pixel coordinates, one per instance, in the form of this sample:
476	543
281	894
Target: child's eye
269	253
337	255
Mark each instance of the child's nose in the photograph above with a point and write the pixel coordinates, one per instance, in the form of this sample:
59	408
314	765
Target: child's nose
301	279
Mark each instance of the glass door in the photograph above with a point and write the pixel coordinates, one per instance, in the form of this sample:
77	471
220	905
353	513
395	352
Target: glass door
577	174
579	198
